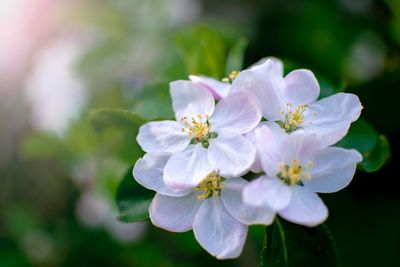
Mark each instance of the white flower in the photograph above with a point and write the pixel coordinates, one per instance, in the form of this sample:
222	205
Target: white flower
205	137
213	208
297	167
291	101
220	89
217	88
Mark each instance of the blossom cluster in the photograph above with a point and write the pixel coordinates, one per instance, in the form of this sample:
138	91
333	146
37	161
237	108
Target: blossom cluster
256	120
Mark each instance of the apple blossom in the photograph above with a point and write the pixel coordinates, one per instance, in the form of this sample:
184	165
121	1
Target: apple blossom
213	208
220	89
297	167
291	101
205	137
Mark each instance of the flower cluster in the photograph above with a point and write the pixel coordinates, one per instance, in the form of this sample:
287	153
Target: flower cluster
255	120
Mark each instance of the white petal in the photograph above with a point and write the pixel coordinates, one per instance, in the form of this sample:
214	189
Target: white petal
267	191
301	87
186	169
217	88
333	169
237	113
276	64
265	85
331	117
189	100
231	156
256	167
162	136
305	208
231	196
269	138
217	231
299	146
175	214
268	146
148	172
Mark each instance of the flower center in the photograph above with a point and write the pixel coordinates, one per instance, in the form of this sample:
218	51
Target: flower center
293	174
199	130
292	118
210	186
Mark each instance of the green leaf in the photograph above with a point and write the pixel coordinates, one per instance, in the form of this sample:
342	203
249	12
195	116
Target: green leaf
373	147
234	61
153	101
118	130
328	88
377	157
203	51
361	136
105	118
133	200
289	244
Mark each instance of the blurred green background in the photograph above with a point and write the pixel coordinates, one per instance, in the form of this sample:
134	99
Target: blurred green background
60	165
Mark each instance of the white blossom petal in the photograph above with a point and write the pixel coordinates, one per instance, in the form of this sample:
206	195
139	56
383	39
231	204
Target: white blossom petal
331	117
299	146
265	85
175	214
333	169
237	113
231	157
268	146
267	191
217	88
162	136
275	130
148	172
186	169
217	231
301	87
277	65
231	196
305	208
190	100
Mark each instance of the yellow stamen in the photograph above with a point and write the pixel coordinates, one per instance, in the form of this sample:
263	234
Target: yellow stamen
293	174
231	77
293	119
210	186
196	128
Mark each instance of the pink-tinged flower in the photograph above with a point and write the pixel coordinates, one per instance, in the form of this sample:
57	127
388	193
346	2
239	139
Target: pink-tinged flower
297	167
291	101
205	137
220	89
213	208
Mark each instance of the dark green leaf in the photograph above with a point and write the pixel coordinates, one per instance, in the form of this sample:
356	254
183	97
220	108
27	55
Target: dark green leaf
234	62
374	147
289	244
133	200
377	157
328	88
361	136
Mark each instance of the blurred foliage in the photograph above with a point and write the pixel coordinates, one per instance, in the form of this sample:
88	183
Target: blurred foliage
137	49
